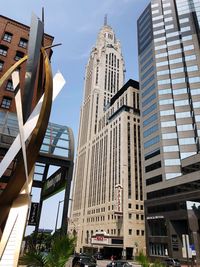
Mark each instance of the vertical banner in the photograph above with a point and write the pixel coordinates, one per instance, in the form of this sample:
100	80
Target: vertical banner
33	213
118	200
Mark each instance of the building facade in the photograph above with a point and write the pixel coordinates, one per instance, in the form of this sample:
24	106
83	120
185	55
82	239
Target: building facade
107	202
169	56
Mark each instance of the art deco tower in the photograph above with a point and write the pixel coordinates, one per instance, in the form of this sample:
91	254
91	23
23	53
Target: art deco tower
102	156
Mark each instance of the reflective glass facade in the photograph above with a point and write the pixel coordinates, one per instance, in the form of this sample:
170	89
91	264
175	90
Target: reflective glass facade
169	56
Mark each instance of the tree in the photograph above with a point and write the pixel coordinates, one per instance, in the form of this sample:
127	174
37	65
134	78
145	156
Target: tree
62	246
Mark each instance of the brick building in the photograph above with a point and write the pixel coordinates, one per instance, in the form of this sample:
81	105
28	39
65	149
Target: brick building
13	46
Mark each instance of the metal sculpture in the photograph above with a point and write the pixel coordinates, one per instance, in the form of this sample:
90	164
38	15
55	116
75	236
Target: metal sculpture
15	199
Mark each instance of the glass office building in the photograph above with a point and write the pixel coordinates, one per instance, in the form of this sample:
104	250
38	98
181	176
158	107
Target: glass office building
169	63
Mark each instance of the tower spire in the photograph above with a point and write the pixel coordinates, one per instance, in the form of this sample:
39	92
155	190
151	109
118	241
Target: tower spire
105	20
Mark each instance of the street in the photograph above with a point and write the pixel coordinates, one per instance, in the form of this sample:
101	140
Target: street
103	263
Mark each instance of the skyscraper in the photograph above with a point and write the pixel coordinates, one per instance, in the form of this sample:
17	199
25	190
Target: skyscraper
169	56
107	202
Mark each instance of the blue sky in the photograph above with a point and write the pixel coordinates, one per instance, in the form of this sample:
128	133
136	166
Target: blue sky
76	24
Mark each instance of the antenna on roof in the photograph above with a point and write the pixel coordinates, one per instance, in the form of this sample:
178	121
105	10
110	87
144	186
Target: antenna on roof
105	20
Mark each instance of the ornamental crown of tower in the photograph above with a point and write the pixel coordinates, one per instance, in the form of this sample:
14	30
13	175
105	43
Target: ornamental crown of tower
106	36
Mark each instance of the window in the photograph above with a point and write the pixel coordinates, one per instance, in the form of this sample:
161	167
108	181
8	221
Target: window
166	112
183	114
150	130
195	91
129	215
187	154
184	20
172	34
162	72
157	18
172	162
155	11
6	102
1	65
159	39
149	99
161	55
138	232
150	109
137	216
150	119
169	136
170	148
164	82
166	5
148	90
180	80
19	55
7	37
142	232
155	25
186	141
186	38
165	101
185	127
9	85
23	43
154	5
129	205
180	103
3	50
152	142
180	91
160	47
130	231
168	123
168	19
158	32
194	79
164	91
185	29
167	12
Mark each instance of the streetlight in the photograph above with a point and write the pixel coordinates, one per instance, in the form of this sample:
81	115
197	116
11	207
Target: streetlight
58	213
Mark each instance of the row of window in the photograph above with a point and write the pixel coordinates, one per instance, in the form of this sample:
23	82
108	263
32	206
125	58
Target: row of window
4	51
8	38
180	80
176	61
178	70
138	232
178	103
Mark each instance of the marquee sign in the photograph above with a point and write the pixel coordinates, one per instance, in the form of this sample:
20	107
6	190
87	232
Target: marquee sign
118	200
100	239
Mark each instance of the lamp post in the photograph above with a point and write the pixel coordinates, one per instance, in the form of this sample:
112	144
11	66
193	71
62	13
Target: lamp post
58	213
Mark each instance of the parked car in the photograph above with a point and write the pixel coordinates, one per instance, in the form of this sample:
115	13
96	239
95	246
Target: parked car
98	256
84	260
170	262
119	263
